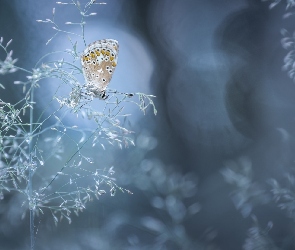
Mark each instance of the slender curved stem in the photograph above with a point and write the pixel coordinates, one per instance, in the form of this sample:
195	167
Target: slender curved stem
30	184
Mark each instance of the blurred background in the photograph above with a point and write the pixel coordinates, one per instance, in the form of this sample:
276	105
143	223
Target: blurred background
203	169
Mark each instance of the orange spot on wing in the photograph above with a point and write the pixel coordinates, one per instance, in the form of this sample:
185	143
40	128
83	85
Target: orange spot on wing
92	55
85	58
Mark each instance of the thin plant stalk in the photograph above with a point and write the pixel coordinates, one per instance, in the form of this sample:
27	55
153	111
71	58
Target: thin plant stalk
30	187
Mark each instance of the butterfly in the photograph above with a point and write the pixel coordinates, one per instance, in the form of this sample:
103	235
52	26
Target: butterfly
99	61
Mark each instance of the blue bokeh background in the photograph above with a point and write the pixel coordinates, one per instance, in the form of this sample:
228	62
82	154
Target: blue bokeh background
222	99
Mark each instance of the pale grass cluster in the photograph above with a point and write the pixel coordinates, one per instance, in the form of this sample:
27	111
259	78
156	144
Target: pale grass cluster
32	140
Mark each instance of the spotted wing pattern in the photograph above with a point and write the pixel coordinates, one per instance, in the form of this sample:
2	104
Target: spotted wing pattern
99	60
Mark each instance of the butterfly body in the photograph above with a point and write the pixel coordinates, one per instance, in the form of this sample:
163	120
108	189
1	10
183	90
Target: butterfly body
99	60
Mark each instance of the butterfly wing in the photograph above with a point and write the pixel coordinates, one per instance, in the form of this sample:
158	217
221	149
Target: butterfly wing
99	61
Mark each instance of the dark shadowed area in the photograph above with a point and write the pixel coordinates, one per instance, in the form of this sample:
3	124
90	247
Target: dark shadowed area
214	169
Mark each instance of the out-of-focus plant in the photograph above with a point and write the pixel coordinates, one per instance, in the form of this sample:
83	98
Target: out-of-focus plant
246	193
274	3
172	203
288	40
284	194
258	237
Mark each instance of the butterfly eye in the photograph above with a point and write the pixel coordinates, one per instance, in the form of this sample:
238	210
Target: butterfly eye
103	95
